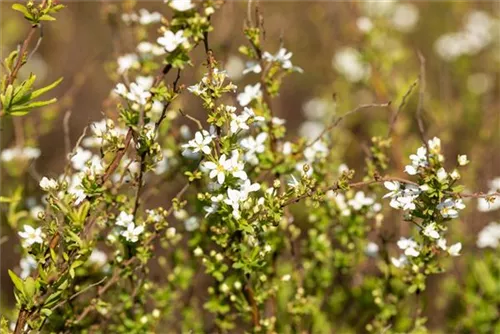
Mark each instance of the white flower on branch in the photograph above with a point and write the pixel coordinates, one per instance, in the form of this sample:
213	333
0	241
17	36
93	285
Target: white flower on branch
31	235
170	41
249	94
181	5
132	232
48	184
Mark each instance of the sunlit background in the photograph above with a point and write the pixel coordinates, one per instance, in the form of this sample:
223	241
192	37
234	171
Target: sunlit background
350	52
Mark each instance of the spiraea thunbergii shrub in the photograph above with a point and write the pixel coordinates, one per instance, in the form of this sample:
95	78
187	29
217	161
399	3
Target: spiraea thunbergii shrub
267	233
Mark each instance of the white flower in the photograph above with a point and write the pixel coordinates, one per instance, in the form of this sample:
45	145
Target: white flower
239	122
22	153
191	224
394	187
27	265
236	167
490	204
124	219
31	236
399	262
434	145
364	24
48	184
80	158
234	67
126	62
431	231
283	57
147	18
247	187
442	243
489	236
371	249
254	146
147	47
462	160
132	232
441	175
233	199
348	61
293	183
171	41
218	169
249	94
417	160
454	249
405	17
197	89
410	247
449	208
181	5
253	67
200	142
360	200
98	257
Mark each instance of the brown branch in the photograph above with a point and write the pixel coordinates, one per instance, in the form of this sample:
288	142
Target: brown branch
118	157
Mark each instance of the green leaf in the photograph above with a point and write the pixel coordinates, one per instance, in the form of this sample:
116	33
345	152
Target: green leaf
46	17
29	287
18	282
45	89
22	9
24	109
4	199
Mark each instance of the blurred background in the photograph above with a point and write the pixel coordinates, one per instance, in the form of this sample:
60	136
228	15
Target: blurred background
351	53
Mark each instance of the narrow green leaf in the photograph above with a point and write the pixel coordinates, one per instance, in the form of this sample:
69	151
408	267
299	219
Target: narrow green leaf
24	109
18	282
40	91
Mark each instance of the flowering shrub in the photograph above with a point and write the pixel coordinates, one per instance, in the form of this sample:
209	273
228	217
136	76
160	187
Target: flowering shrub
265	234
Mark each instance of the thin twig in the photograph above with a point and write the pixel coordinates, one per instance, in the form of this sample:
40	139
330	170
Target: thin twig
341	118
421	96
400	107
67	139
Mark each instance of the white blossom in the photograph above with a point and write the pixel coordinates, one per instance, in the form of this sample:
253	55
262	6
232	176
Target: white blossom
171	41
181	5
405	17
360	200
254	146
348	61
124	219
79	159
48	184
31	236
249	94
399	262
462	160
371	249
27	264
449	207
132	232
410	247
489	236
201	142
21	153
454	249
126	62
431	231
218	169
